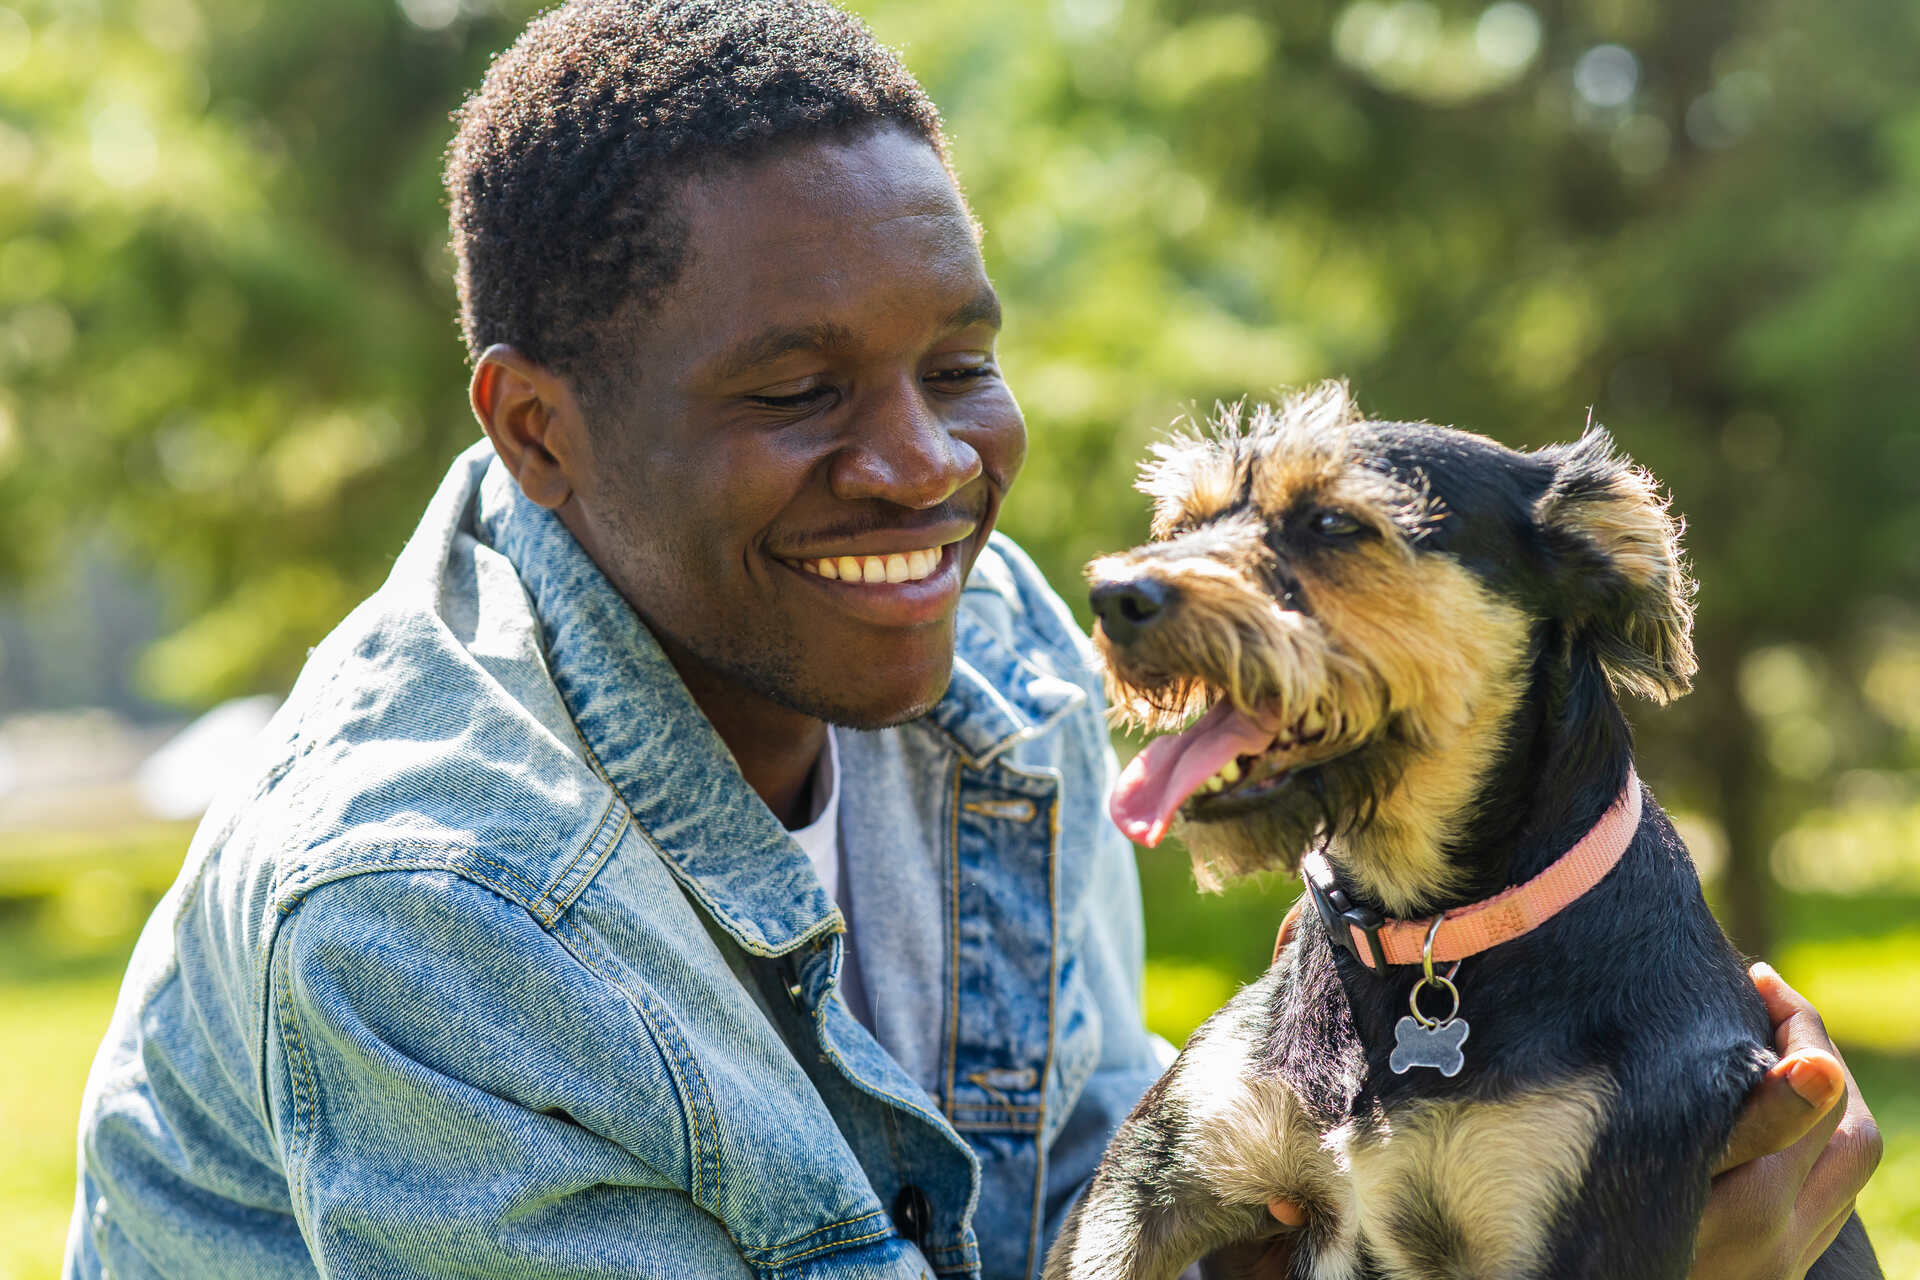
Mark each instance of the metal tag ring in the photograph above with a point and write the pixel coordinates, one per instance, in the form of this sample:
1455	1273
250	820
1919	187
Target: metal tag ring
1413	1001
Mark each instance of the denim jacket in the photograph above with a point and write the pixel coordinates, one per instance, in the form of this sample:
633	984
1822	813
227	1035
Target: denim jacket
497	967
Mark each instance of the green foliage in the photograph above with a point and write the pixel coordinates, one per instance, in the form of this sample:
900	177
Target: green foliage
227	340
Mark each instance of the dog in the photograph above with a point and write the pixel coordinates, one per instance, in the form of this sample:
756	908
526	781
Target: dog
1510	1041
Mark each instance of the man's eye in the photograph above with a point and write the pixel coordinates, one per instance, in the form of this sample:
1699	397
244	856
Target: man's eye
798	400
963	375
1335	524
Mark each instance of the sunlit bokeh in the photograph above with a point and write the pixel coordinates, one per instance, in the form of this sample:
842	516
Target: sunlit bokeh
230	377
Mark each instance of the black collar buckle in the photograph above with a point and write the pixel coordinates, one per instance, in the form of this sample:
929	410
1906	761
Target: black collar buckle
1340	916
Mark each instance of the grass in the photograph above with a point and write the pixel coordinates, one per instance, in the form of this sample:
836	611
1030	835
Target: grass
69	912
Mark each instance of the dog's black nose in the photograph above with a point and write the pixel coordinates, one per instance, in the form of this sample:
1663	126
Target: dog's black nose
1128	609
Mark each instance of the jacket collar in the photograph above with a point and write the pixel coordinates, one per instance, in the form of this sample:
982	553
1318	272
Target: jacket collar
649	741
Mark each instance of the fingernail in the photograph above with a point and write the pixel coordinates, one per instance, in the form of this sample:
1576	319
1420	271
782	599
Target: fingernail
1761	969
1816	1087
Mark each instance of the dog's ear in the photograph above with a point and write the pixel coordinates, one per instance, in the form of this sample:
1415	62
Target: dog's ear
1615	546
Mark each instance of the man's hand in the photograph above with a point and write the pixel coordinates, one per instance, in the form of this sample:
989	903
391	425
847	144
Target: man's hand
1801	1151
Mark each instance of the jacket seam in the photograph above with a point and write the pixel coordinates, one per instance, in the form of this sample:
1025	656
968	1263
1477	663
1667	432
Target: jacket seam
1039	1228
614	818
442	857
303	1084
831	1226
829	1248
953	940
680	1064
776	1254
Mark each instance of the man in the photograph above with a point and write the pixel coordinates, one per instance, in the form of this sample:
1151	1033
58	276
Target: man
526	951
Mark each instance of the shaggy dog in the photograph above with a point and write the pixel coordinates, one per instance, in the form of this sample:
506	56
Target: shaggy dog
1511	1041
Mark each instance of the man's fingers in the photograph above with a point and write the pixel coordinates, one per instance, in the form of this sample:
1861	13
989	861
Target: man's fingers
1289	1214
1796	1023
1849	1159
1790	1103
1825	1238
1286	928
1846	1162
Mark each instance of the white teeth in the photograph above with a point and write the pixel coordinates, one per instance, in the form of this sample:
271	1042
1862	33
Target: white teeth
1228	775
898	566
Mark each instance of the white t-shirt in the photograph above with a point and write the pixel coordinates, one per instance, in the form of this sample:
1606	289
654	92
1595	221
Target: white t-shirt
820	838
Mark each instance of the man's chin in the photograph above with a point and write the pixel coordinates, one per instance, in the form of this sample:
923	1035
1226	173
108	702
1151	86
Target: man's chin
880	712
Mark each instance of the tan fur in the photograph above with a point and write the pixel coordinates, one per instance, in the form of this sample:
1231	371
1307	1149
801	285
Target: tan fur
1229	627
1275	454
1450	655
1632	524
1391	634
1499	1171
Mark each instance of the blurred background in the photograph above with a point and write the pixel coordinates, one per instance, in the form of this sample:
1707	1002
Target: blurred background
230	376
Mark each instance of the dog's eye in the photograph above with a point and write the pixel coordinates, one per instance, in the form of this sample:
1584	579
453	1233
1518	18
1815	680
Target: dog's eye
1335	524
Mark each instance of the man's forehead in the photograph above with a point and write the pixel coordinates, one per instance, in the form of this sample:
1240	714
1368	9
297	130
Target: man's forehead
868	177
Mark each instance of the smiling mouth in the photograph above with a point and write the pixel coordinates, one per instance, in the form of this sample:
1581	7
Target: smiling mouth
898	566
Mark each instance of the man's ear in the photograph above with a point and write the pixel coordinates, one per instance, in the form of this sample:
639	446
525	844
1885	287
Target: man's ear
533	418
1615	545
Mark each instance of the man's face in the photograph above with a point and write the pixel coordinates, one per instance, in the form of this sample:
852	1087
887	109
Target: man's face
815	402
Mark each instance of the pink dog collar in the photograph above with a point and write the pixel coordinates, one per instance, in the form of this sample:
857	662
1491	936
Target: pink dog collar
1377	941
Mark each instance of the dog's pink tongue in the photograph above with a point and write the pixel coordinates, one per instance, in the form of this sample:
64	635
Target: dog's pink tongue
1155	782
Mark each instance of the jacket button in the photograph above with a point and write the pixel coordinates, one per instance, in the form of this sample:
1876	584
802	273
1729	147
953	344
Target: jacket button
913	1215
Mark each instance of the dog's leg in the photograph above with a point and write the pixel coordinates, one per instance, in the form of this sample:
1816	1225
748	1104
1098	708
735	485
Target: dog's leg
1126	1229
1192	1169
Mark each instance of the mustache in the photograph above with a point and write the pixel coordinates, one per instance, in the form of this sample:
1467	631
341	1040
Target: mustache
891	519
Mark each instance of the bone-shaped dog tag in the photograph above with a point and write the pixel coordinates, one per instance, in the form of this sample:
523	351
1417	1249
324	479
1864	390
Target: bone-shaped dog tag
1437	1046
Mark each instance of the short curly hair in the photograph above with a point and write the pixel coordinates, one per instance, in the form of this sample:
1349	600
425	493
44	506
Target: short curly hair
562	169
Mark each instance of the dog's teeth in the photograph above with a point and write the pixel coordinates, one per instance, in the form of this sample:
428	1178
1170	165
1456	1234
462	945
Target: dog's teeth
1231	773
1213	784
1312	722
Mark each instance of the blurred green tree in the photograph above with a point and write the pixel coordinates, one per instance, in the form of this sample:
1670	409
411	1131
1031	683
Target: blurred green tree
226	334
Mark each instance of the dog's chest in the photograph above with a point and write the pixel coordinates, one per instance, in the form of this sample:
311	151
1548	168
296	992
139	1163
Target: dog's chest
1440	1188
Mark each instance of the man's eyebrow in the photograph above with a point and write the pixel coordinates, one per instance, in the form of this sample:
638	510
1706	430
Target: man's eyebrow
982	308
770	344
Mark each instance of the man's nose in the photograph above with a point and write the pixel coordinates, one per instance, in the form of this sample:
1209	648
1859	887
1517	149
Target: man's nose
904	452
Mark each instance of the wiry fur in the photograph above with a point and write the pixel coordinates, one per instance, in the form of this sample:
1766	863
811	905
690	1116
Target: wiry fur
1461	616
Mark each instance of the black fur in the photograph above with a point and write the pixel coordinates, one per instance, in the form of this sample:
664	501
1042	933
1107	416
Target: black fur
1634	980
